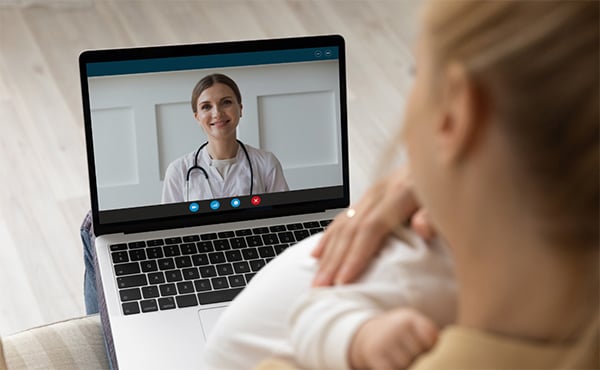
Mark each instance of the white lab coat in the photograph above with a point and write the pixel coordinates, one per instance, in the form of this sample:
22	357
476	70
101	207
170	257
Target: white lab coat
268	177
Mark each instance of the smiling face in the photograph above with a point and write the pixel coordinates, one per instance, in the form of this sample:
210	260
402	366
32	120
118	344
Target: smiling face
218	112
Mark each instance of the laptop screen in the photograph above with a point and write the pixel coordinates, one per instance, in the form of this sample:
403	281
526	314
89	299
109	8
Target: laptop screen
199	134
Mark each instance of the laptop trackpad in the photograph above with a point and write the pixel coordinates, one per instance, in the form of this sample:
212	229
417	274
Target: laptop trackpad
208	319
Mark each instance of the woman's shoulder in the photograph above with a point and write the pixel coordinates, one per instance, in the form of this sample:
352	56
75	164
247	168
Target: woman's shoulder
468	348
183	162
263	156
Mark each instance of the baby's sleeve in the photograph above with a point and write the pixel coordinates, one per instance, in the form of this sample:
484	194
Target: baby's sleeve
324	321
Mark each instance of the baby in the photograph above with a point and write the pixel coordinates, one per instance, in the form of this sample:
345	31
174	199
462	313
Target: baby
408	291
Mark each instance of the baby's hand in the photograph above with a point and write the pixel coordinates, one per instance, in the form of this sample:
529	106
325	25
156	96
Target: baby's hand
392	340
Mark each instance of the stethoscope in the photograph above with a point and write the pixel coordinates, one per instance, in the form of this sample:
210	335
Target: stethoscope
197	167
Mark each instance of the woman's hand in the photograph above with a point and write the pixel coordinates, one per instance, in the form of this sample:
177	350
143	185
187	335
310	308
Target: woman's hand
392	340
354	237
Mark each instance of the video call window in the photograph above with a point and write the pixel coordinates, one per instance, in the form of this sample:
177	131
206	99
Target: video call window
146	132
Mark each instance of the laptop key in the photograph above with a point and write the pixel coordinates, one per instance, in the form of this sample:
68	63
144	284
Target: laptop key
149	266
216	257
185	287
149	305
200	259
130	308
236	281
191	238
250	253
167	289
150	292
211	236
325	223
120	257
137	255
225	269
226	234
132	281
266	252
207	271
254	241
277	228
166	264
221	244
173	275
118	247
167	303
218	296
171	250
243	232
154	253
191	273
260	230
156	278
188	248
238	243
233	256
175	240
249	276
270	239
311	224
286	237
241	267
297	226
155	242
188	300
127	268
256	265
280	248
202	285
205	247
183	262
301	234
134	245
219	283
130	294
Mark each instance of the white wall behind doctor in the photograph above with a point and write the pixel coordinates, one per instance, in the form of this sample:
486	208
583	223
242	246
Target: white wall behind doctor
143	122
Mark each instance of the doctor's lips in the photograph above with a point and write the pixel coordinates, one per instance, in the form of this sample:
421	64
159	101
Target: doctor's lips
220	123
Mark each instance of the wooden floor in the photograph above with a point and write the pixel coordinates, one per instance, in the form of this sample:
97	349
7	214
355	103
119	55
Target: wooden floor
44	191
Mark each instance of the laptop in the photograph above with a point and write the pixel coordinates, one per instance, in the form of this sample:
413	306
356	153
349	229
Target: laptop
166	270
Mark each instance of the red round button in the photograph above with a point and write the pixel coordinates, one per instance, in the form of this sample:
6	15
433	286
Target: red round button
255	200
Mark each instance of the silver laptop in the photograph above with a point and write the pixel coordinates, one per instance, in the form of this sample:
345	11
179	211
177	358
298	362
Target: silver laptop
166	270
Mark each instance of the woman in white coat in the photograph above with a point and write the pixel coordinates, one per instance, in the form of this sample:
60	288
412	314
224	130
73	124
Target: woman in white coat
223	166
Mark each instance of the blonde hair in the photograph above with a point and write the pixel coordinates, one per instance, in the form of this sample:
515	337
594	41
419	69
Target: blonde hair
538	62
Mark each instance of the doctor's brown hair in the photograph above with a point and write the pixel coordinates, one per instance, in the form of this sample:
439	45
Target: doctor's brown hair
537	62
209	81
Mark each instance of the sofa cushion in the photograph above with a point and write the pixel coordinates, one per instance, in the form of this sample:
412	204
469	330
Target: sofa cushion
71	344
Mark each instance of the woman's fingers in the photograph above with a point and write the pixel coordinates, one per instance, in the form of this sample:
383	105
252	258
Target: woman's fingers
353	239
421	224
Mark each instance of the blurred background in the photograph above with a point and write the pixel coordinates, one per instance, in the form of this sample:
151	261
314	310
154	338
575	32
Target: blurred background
43	174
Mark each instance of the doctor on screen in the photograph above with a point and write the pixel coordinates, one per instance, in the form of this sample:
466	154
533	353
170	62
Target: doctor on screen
223	166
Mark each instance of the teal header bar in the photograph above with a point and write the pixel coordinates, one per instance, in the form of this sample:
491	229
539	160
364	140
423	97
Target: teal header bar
210	61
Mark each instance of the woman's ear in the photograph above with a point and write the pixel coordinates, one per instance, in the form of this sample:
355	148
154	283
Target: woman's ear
462	115
241	107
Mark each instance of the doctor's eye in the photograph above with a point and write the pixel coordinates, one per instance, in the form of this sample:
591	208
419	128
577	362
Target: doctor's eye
227	102
205	107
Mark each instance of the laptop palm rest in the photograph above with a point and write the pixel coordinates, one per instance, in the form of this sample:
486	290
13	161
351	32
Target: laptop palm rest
208	319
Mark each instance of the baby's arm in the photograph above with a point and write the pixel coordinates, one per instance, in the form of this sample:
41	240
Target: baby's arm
392	340
325	320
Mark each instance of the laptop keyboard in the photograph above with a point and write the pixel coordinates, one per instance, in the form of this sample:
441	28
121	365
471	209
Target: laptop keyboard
192	270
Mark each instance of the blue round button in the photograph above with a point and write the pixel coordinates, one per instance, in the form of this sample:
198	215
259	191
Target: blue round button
235	202
194	207
214	205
